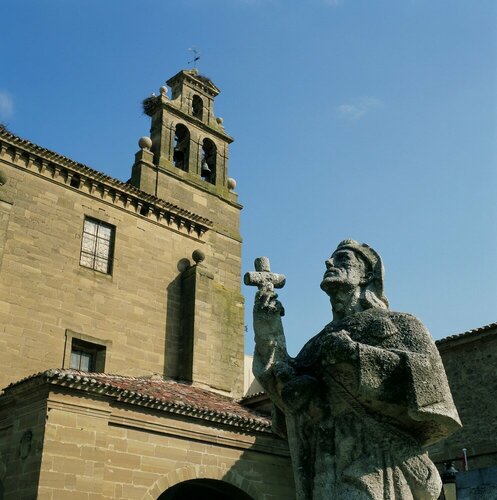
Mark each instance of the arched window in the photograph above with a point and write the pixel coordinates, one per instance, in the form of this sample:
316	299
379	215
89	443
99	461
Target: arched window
181	147
208	163
206	489
197	107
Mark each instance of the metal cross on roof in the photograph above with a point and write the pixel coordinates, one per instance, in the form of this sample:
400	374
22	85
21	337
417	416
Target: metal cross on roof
196	57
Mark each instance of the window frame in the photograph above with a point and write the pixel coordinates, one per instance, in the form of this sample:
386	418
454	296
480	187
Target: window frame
93	255
98	347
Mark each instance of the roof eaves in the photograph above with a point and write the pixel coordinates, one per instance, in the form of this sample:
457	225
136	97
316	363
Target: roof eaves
85	382
99	176
468	334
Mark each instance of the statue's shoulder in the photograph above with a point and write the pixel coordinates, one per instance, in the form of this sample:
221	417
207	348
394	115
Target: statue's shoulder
383	323
405	331
407	322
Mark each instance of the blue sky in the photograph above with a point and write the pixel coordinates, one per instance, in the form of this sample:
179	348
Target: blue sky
353	119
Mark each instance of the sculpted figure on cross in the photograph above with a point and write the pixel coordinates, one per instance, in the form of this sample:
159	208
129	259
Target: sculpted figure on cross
364	397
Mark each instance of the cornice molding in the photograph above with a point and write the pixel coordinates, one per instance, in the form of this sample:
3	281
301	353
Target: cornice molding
54	167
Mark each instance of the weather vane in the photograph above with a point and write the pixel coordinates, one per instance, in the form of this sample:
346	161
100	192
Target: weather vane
196	57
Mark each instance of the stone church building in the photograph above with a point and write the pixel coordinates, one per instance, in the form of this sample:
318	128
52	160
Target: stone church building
122	338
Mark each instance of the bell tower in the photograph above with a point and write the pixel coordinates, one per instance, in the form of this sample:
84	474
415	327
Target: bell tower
188	141
185	163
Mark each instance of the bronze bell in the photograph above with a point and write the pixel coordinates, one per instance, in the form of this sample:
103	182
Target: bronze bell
205	168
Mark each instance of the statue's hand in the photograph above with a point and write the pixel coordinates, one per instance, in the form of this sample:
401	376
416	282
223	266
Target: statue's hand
339	347
266	302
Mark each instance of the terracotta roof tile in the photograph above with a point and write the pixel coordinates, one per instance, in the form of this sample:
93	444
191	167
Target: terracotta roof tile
155	392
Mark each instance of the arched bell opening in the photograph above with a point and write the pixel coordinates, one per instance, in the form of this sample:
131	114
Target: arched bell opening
197	107
181	152
205	489
208	162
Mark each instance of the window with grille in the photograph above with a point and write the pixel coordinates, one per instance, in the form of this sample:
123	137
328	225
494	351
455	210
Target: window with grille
97	246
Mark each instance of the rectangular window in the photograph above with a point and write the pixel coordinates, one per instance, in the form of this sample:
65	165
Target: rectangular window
83	352
87	356
97	245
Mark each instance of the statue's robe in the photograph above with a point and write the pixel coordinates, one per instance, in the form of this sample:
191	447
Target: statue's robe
357	427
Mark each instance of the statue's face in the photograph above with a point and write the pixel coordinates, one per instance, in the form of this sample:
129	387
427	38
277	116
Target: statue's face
343	269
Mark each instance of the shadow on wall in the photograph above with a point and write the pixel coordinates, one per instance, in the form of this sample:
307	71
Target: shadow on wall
477	484
261	472
264	470
179	321
21	445
173	328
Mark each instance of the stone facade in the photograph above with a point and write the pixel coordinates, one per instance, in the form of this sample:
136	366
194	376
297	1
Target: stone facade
92	439
137	308
140	279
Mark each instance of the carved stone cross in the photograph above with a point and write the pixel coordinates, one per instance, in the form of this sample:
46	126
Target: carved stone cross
263	278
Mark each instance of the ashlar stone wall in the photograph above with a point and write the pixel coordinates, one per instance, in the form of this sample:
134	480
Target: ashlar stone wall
136	311
97	449
470	361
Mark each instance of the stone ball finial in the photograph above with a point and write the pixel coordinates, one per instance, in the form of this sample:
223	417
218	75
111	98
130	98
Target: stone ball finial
219	120
145	143
183	265
163	90
231	183
198	256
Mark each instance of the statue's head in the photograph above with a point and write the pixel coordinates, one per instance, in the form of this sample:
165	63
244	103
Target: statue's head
356	265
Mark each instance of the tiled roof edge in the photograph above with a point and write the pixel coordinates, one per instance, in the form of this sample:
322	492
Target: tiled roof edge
84	169
248	397
469	333
84	381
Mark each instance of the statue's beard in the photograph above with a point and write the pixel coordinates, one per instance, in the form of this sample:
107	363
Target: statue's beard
333	284
327	285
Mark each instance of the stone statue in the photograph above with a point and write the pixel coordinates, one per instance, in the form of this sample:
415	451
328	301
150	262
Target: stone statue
364	397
